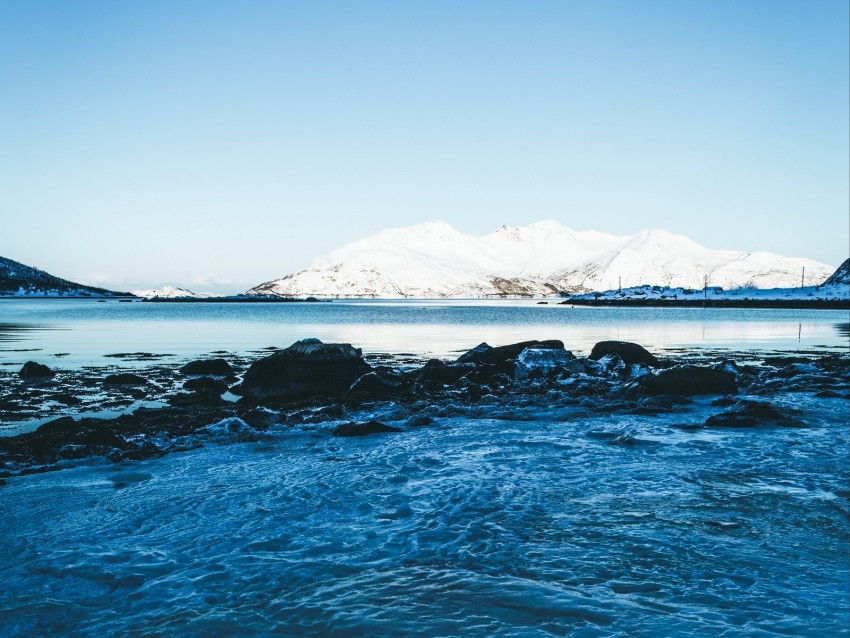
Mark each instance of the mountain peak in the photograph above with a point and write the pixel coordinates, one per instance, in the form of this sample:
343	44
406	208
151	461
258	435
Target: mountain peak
435	260
434	226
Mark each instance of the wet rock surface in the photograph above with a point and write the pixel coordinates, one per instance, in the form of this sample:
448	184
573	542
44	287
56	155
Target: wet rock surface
124	378
748	414
332	387
34	370
363	429
629	352
212	367
307	369
690	380
206	383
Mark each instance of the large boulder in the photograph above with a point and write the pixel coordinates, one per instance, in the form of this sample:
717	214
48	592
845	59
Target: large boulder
485	354
305	370
374	386
124	378
750	414
629	352
213	367
33	370
196	384
541	362
689	380
436	373
363	428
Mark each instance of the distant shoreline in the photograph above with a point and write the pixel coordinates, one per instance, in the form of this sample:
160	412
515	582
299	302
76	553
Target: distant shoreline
232	300
166	299
791	304
801	304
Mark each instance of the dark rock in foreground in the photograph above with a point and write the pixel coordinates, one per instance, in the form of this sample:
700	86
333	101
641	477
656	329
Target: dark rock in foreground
306	369
542	360
749	414
374	386
198	397
86	433
484	353
214	367
312	383
437	373
124	378
629	352
363	429
689	380
33	370
205	383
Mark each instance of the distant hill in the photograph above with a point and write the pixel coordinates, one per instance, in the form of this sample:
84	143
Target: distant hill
543	259
18	280
174	292
836	288
840	276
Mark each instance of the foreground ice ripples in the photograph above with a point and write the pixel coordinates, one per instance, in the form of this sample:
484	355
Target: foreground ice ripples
588	526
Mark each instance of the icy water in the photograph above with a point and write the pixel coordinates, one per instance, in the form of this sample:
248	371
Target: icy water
82	332
541	520
543	523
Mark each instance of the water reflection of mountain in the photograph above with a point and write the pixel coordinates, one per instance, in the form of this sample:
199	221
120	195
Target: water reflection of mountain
843	329
11	332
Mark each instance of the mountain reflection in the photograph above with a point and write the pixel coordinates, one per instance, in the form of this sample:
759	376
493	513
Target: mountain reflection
11	332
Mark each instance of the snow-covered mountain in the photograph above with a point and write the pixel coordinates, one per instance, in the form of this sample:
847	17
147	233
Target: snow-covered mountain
18	280
841	276
172	292
435	260
823	292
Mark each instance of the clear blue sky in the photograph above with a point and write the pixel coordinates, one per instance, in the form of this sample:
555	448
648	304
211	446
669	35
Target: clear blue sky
217	145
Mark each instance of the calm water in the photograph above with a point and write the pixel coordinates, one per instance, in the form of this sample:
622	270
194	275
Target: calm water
84	331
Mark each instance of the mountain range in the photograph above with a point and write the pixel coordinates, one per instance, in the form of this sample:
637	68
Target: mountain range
433	260
173	292
546	258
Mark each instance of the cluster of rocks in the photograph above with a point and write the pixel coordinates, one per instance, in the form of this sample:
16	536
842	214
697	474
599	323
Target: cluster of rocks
315	382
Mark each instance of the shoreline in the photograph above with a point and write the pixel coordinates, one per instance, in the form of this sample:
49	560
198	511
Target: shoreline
790	304
136	413
786	304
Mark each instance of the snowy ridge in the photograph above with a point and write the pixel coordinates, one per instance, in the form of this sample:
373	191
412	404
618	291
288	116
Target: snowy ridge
546	258
841	276
173	292
834	292
19	280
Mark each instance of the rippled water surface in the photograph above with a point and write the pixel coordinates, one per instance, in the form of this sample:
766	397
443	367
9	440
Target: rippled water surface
545	524
493	520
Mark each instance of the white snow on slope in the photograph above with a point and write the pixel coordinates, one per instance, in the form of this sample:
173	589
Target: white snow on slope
171	292
435	260
835	292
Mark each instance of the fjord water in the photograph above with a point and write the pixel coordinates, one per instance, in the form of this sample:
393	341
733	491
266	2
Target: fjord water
82	332
515	524
493	520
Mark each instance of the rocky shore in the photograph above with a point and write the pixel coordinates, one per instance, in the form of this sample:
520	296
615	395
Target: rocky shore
158	408
791	304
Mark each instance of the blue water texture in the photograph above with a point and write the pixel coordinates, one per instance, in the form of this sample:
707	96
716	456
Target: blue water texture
494	520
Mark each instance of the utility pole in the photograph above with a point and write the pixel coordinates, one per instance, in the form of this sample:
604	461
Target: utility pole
803	278
619	283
